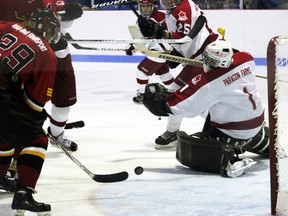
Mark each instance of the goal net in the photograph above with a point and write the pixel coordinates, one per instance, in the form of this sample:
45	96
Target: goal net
277	66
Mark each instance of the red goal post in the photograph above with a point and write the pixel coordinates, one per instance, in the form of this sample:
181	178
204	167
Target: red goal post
277	74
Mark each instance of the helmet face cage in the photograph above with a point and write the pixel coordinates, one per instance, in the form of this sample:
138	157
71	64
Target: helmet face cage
169	4
209	60
46	24
218	54
146	7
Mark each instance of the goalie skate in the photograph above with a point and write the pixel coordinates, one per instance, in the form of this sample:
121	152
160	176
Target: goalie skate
23	201
138	98
166	140
239	167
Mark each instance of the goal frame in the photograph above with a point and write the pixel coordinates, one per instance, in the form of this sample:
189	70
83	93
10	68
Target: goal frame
276	59
271	56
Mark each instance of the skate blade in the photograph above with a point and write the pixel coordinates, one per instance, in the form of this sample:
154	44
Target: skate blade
244	168
171	146
20	212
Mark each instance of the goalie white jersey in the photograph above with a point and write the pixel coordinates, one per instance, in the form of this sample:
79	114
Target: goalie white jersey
229	94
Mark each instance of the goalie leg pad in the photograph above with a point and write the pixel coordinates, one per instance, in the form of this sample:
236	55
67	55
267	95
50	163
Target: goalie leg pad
203	155
149	67
259	144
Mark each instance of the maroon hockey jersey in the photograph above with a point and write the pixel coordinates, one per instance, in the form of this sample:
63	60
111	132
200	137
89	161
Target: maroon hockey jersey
18	9
29	59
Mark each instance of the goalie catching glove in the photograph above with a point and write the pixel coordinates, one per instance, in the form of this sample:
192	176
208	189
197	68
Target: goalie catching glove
155	99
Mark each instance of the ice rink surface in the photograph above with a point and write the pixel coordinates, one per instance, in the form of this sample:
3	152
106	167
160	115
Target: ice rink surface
118	136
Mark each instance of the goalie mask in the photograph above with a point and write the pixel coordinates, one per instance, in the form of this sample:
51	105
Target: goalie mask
170	4
46	24
146	7
218	54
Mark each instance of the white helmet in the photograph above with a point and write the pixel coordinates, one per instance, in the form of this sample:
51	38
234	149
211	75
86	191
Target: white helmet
218	54
169	4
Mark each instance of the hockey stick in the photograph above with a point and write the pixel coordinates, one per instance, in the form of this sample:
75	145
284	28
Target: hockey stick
125	41
140	46
76	124
101	5
77	46
104	178
110	3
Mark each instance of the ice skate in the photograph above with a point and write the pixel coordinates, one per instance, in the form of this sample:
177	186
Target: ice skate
239	167
166	140
7	184
24	201
69	145
138	98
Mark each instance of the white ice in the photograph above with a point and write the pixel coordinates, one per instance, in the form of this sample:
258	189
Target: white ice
118	136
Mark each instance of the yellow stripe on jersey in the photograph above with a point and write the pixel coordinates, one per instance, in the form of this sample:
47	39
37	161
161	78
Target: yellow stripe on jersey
31	104
7	153
49	92
39	152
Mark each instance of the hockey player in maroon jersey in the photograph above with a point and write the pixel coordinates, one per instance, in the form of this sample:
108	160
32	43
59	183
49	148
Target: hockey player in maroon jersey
64	94
227	91
26	84
149	66
183	17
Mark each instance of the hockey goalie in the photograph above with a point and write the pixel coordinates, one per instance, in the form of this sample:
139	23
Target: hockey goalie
234	124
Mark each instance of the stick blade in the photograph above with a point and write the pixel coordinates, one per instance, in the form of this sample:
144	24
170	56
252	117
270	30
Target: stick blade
110	178
76	124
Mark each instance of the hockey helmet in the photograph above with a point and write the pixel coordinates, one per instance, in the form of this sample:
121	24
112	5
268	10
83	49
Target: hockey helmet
46	24
170	4
218	54
146	7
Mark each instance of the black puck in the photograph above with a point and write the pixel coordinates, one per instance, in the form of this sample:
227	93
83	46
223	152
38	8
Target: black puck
138	170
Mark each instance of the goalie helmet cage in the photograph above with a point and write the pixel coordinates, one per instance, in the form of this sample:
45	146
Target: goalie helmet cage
277	68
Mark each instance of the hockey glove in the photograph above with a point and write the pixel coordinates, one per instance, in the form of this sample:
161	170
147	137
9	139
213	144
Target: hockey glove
150	28
130	50
73	10
171	64
60	45
155	99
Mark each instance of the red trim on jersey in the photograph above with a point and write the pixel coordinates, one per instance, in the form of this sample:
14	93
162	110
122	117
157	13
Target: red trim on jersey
241	125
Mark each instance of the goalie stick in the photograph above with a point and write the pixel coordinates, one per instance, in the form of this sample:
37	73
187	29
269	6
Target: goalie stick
142	48
103	178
